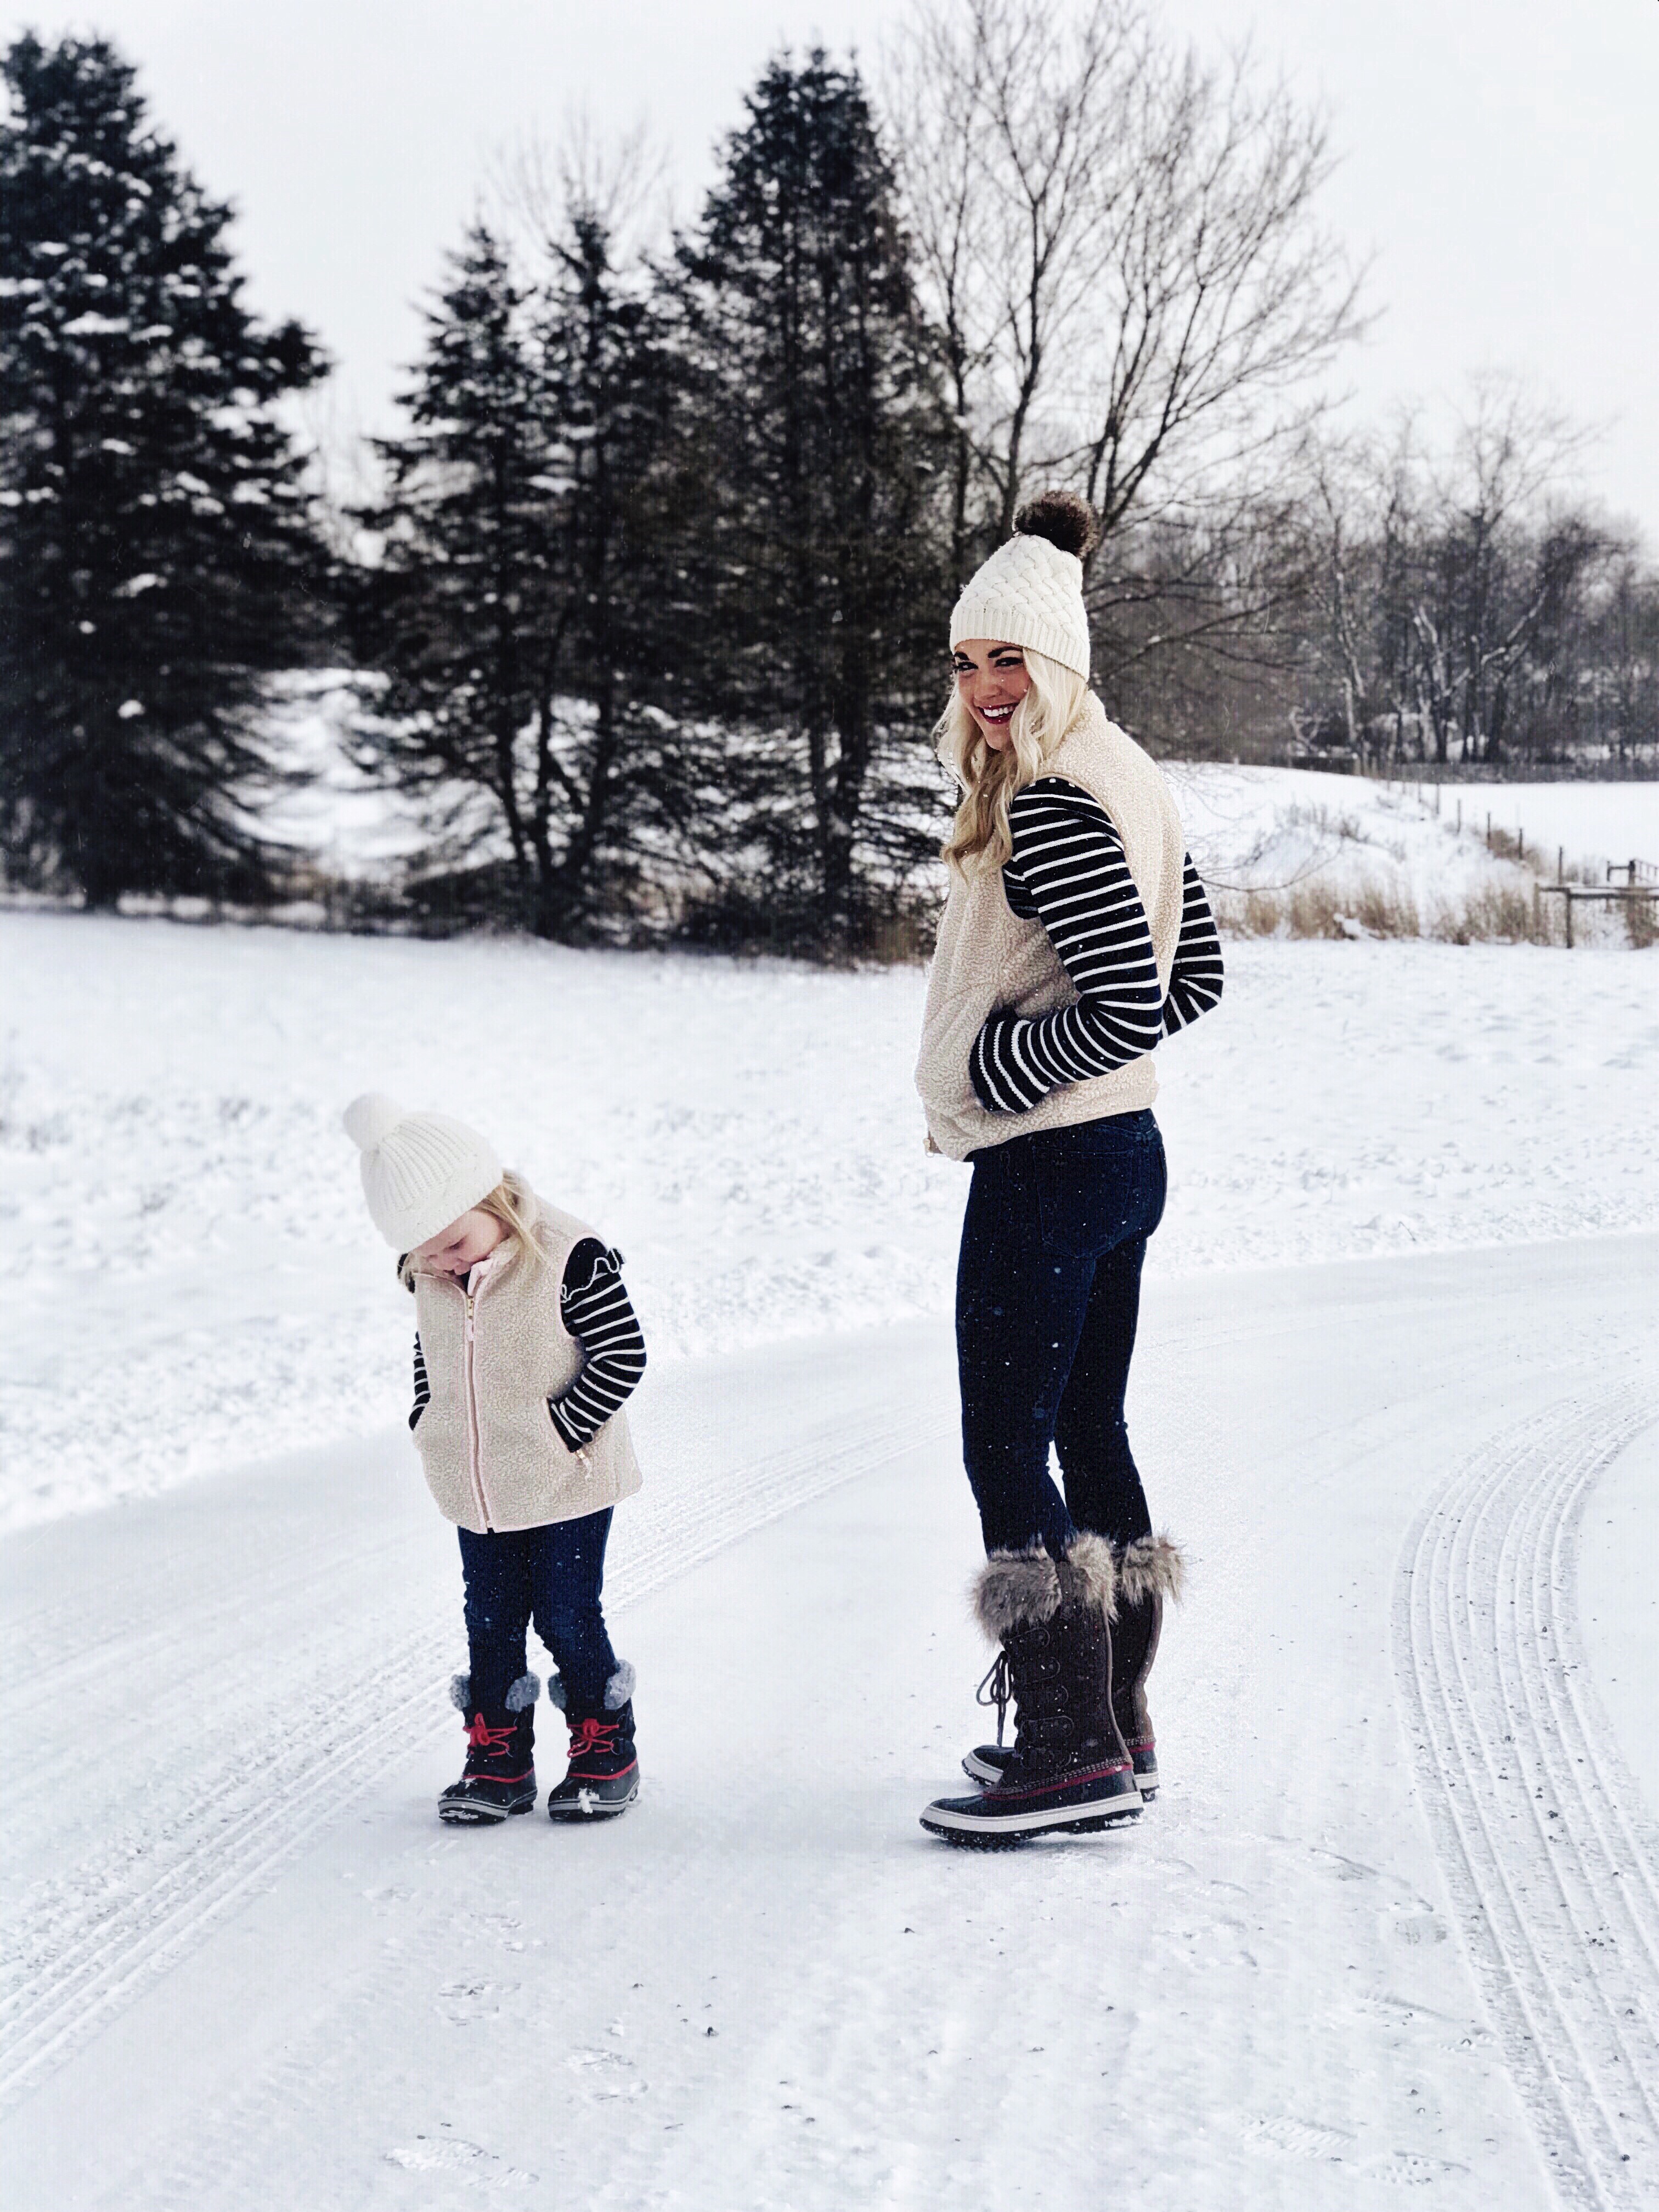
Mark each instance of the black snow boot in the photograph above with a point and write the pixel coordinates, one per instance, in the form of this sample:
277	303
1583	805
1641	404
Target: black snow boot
1148	1571
603	1776
1069	1771
499	1778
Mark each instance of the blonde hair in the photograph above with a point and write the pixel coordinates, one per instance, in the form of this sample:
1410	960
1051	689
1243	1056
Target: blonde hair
980	836
509	1203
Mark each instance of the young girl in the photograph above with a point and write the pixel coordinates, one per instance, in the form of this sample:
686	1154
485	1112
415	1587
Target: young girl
526	1346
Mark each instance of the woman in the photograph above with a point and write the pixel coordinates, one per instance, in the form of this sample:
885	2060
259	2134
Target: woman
1075	936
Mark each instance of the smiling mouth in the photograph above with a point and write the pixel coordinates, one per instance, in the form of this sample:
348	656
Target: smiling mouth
999	714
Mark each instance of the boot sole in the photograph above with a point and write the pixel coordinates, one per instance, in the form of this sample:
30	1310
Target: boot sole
458	1813
572	1808
1011	1828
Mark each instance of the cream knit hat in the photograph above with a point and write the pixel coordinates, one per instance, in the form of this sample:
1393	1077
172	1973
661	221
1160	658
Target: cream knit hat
1030	590
421	1171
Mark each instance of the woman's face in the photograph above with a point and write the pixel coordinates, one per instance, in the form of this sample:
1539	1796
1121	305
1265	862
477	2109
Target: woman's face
459	1249
992	678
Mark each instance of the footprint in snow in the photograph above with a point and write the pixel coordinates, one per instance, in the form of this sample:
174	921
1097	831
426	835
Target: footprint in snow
602	2072
1280	2136
463	2002
1409	2169
469	2162
1421	1927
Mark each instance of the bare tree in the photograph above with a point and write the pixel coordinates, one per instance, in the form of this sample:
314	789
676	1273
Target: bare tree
1121	244
1001	115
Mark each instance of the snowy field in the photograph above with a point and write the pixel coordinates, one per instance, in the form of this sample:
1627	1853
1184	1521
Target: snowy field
1269	830
1272	831
195	1283
1392	1922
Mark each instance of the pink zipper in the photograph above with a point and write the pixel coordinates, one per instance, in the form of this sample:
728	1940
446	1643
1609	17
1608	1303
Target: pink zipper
474	1442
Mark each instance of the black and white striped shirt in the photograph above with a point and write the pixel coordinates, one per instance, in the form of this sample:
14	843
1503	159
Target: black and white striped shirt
1069	872
596	1308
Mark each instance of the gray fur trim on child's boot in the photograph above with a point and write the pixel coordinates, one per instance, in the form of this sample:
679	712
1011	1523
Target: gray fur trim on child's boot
618	1691
522	1695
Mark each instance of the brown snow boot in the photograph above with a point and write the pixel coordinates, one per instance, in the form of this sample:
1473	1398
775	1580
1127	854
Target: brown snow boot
1148	1571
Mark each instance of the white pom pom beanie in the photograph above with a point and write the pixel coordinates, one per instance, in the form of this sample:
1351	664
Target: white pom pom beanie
1029	593
421	1171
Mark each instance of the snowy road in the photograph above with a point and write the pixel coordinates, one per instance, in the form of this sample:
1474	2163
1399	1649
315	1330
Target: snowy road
243	1965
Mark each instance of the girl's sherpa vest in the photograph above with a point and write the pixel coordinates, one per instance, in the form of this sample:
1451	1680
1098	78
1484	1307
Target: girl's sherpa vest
495	1355
988	960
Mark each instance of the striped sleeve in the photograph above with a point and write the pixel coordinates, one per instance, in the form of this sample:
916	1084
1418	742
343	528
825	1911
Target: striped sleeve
1195	980
596	1308
1068	870
422	1388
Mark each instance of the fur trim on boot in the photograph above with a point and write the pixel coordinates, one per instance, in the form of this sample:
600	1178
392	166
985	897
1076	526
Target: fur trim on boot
618	1691
519	1697
1153	1566
1088	1574
1014	1590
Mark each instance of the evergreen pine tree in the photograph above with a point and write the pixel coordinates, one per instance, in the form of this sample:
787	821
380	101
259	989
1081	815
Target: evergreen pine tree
508	610
155	541
819	569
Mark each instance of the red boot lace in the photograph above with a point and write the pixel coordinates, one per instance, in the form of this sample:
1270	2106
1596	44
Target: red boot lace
590	1735
492	1741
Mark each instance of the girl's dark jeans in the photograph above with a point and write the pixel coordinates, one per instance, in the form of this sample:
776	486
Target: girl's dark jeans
1048	1295
551	1576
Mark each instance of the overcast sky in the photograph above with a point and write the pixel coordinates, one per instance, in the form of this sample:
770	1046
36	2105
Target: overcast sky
1501	159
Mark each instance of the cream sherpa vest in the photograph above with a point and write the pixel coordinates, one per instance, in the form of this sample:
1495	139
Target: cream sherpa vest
492	1456
987	959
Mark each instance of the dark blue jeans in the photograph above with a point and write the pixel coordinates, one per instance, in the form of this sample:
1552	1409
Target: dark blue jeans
552	1576
1047	1296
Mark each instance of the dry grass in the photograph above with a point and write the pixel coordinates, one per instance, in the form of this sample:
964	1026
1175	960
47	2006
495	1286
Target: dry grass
1493	913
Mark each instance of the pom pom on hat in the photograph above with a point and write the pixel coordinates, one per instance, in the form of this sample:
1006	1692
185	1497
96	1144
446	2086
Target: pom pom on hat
1064	520
370	1118
421	1171
1030	592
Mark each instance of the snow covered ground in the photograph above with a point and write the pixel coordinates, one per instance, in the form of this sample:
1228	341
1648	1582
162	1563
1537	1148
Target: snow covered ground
1269	830
1429	864
195	1283
1393	1920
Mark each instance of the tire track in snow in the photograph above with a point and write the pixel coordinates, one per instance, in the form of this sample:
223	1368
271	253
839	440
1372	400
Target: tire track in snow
109	1929
1536	1821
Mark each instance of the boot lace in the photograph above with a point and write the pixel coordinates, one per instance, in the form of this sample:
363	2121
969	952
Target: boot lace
592	1735
996	1689
490	1741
